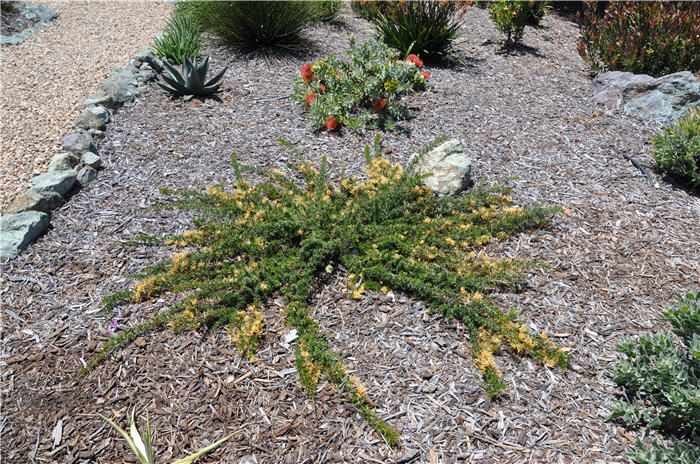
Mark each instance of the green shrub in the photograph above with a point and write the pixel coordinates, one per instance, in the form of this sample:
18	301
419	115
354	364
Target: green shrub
390	232
662	386
359	92
511	17
252	25
181	36
654	38
8	7
427	28
328	10
677	150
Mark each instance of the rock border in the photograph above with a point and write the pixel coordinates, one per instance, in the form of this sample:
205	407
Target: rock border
28	215
43	14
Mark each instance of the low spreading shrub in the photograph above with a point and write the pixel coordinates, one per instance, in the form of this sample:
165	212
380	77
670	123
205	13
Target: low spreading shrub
252	25
677	150
361	91
661	379
181	36
654	38
427	28
511	17
390	232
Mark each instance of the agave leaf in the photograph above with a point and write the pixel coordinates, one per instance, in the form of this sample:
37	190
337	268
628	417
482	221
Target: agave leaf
142	458
194	83
147	440
216	78
187	67
169	89
136	437
203	451
208	90
174	73
202	70
172	82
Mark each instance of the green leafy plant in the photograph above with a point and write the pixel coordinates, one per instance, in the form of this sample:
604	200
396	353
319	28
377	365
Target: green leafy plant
370	9
677	150
181	37
363	91
661	381
328	11
388	232
654	38
511	17
428	28
253	25
142	446
191	82
8	7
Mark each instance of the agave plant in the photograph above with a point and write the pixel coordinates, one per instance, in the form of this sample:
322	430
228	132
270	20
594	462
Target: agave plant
191	81
142	446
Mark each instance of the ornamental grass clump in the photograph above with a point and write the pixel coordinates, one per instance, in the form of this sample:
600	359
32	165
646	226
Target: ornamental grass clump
360	92
428	28
181	37
677	150
654	38
254	25
660	375
284	238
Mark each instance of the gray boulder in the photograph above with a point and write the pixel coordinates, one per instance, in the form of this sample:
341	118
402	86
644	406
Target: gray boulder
18	230
89	120
59	182
78	142
101	112
88	158
665	99
147	56
120	87
99	99
86	175
35	201
449	165
63	162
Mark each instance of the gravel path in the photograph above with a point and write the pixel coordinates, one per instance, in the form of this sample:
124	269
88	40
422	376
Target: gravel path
45	78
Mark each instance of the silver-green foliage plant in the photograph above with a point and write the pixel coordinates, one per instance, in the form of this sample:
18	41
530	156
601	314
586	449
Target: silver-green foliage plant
191	82
677	150
181	36
142	446
662	389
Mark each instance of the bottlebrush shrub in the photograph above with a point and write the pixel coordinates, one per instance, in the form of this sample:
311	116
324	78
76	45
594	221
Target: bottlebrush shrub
428	28
662	386
677	150
654	38
281	238
350	93
511	17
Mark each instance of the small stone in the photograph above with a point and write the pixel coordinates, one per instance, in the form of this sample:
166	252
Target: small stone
140	342
63	162
88	158
56	181
35	201
101	112
77	142
248	459
449	166
86	175
89	120
147	56
425	373
18	230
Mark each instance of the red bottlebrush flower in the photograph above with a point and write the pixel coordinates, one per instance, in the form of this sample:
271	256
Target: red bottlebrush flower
415	60
425	74
378	104
310	97
306	72
332	123
322	87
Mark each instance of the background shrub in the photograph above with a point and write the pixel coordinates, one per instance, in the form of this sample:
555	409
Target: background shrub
677	150
662	390
328	11
251	25
427	28
182	36
361	91
654	38
370	10
511	17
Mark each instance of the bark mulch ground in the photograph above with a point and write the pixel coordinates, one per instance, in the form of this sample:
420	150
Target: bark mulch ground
627	247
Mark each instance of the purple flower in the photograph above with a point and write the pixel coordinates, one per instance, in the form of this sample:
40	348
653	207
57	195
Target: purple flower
112	325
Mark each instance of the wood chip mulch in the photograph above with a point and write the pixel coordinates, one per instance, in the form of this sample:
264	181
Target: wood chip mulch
627	247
